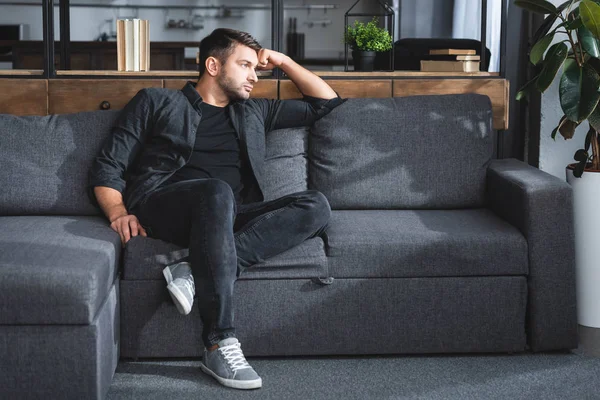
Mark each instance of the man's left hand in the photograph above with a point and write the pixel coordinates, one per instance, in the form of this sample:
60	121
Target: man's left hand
269	59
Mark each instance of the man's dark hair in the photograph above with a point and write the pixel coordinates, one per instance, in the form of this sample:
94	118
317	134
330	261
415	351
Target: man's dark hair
220	44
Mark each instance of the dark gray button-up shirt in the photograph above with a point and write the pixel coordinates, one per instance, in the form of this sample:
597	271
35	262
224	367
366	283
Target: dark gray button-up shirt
155	133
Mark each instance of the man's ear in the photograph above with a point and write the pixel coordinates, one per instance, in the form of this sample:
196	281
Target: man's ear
213	66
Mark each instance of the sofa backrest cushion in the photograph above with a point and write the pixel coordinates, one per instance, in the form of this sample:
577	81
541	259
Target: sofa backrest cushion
44	161
417	152
286	167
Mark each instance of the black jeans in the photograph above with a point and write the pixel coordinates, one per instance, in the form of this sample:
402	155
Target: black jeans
225	238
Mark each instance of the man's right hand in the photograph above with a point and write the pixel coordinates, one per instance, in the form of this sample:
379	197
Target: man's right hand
127	226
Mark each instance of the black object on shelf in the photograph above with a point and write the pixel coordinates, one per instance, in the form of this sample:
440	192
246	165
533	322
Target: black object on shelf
294	41
8	33
409	52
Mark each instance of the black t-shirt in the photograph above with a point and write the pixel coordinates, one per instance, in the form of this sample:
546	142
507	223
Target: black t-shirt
216	151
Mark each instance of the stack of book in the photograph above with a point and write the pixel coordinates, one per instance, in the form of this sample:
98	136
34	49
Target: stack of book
451	60
133	45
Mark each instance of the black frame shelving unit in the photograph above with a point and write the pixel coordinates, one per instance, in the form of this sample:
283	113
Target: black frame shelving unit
388	14
277	35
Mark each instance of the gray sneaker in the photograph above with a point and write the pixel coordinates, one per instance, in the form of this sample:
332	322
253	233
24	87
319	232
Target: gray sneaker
228	366
180	283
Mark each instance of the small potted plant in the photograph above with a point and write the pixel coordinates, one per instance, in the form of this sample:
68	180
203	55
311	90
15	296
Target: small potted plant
366	40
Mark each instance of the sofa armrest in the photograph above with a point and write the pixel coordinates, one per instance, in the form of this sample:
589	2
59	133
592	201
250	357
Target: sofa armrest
540	206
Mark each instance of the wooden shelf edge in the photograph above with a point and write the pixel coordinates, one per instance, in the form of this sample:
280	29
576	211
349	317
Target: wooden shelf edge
194	74
26	72
158	74
393	74
341	74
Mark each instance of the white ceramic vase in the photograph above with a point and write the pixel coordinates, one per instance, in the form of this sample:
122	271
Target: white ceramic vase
586	209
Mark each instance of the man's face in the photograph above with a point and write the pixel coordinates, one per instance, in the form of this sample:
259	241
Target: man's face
238	76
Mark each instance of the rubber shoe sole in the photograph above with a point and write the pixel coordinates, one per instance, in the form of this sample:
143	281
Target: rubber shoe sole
183	305
167	275
232	383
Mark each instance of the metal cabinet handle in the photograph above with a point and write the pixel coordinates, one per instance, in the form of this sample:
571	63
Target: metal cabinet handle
105	105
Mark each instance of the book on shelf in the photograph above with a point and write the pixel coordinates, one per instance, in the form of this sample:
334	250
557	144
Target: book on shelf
144	46
453	52
136	44
445	57
128	45
133	45
449	66
469	58
120	45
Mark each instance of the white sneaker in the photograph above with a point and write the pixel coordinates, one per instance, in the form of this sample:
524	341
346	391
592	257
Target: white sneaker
180	283
229	367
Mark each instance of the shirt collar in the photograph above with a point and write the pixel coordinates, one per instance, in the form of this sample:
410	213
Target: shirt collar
189	90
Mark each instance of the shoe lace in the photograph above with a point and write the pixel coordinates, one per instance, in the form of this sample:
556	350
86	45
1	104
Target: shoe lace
234	356
189	285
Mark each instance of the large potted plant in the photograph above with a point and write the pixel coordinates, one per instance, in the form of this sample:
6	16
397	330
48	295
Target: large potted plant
574	28
366	40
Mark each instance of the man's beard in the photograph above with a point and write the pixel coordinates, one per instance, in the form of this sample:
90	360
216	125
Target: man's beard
229	88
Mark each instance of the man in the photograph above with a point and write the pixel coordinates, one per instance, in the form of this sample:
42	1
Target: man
177	167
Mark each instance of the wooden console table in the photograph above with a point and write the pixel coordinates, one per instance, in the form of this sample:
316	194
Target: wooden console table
74	91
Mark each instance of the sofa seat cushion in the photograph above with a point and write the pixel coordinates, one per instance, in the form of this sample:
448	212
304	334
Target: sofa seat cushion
145	258
423	243
55	270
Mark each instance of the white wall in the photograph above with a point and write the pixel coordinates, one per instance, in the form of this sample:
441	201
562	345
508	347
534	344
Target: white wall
556	155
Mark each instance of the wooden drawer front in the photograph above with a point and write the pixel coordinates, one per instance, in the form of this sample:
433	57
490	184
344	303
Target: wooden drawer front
345	88
496	89
75	95
24	96
264	88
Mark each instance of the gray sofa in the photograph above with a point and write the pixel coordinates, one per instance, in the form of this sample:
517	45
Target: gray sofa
434	246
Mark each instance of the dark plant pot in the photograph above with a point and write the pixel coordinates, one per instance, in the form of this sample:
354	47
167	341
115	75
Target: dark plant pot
363	60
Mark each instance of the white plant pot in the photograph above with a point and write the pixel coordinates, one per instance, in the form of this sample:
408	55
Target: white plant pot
586	209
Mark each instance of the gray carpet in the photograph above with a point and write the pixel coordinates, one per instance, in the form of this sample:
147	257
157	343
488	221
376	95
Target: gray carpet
519	376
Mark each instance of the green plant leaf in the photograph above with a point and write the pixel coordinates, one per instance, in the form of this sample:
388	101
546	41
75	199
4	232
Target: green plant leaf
594	118
579	169
589	42
526	89
578	91
594	63
574	12
567	129
574	24
588	138
560	123
368	37
581	155
573	20
548	23
537	51
537	6
590	16
555	57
